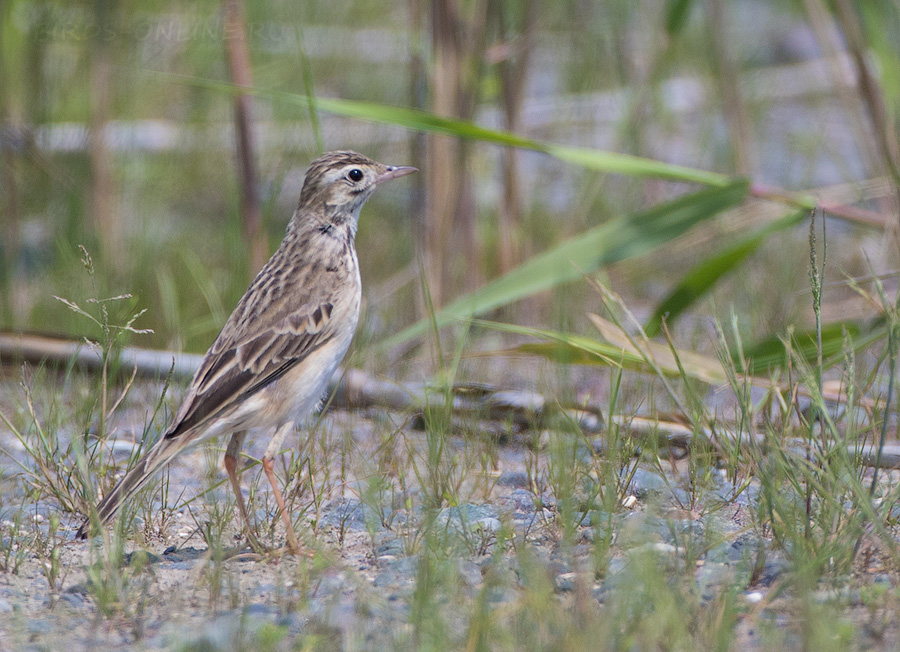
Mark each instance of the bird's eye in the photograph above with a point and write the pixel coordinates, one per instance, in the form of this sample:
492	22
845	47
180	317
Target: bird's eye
355	174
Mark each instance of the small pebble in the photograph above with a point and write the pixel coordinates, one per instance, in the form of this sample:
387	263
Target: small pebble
487	524
664	548
518	479
565	581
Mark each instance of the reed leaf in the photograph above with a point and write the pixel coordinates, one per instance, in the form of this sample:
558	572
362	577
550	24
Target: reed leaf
619	239
429	123
709	271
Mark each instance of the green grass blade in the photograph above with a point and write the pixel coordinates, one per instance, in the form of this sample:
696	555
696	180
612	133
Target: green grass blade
616	351
425	122
709	271
619	239
564	348
591	159
769	352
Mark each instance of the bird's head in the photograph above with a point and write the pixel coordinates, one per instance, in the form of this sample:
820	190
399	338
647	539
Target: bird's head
339	183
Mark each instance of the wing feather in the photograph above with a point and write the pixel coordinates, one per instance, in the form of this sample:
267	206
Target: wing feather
257	346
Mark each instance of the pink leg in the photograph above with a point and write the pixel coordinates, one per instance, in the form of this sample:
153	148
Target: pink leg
292	544
232	468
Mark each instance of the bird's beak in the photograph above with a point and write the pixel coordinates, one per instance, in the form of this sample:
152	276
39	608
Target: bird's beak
395	172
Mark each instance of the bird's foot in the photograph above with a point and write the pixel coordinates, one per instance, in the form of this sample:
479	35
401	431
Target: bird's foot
291	548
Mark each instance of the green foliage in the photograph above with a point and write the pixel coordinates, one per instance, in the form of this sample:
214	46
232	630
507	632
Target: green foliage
677	13
710	270
619	239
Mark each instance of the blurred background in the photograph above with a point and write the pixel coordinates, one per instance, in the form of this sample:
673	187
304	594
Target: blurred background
122	132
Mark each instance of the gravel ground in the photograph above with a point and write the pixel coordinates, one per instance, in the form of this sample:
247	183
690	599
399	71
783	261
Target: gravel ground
373	551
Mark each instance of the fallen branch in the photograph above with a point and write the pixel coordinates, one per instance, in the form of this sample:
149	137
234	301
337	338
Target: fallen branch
45	349
355	389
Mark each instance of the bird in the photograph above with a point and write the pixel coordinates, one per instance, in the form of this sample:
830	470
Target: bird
269	366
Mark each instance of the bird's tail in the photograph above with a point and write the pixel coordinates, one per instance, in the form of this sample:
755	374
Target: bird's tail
157	457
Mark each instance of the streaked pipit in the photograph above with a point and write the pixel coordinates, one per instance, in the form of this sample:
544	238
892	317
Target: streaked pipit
269	366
